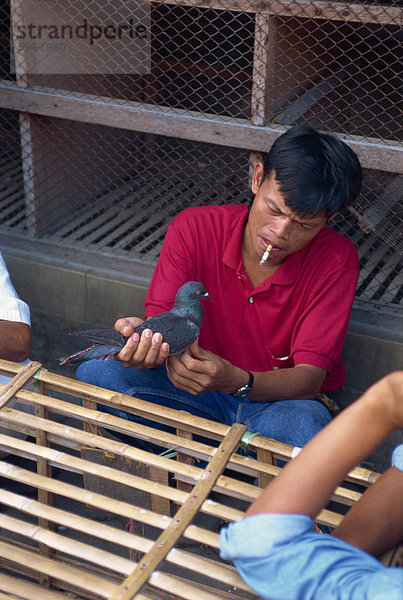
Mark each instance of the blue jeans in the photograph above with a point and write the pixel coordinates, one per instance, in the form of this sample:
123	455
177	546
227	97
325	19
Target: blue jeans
294	422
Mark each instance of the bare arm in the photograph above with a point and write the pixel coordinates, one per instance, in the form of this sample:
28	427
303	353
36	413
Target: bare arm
200	371
15	340
306	483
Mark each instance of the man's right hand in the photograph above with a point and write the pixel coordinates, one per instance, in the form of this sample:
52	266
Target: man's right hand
145	352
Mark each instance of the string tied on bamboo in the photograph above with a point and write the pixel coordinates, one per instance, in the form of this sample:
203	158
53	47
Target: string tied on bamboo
247	438
170	452
97	431
37	374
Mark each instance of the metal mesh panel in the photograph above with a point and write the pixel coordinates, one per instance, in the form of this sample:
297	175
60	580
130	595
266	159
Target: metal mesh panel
104	161
118	190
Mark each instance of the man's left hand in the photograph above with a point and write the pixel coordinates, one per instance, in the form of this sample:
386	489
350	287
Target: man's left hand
197	371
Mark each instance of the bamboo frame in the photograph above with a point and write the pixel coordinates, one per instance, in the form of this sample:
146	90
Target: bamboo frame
40	544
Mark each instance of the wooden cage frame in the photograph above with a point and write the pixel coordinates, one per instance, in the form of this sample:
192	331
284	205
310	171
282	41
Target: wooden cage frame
145	487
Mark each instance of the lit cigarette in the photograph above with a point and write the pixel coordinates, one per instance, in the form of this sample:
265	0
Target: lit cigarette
266	254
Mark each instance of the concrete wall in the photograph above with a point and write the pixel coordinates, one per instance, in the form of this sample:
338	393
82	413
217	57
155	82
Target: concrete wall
67	291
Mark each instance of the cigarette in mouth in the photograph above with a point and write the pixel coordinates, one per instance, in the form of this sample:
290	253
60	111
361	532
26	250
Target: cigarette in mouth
266	254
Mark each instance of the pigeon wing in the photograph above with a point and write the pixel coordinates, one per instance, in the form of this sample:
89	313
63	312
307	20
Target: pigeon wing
105	342
178	331
102	336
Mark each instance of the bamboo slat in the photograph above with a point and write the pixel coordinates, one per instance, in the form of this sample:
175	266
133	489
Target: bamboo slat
25	589
14	385
81	579
72	538
85	552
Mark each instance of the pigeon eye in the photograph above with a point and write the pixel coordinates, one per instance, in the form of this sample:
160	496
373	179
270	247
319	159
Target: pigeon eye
198	292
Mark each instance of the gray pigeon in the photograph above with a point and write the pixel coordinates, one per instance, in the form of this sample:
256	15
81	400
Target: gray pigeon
179	326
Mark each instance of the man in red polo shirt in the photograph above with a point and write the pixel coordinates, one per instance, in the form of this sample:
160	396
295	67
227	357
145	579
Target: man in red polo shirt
273	333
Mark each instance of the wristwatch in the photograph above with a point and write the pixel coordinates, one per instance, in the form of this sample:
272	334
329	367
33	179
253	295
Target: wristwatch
245	389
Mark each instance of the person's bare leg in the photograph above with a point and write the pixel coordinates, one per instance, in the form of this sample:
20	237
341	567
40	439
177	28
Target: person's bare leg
375	522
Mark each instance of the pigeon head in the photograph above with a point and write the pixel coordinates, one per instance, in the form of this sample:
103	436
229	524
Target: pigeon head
188	298
191	291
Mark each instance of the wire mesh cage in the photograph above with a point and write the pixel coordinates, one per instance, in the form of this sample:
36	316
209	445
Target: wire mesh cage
103	161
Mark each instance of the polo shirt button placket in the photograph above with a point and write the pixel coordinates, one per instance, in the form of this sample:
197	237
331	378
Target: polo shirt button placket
250	300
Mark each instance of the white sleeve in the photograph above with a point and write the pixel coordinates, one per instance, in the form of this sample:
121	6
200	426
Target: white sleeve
397	457
11	307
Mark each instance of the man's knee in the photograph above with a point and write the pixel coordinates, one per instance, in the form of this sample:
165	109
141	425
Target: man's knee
87	371
308	418
293	422
98	372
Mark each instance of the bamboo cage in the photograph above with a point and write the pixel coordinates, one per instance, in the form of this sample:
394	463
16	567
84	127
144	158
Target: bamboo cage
63	521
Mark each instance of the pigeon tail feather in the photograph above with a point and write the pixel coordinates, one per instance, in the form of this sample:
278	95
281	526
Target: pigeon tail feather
95	351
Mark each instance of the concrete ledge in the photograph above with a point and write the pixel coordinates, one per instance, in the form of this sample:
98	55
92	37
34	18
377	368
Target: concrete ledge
368	358
69	284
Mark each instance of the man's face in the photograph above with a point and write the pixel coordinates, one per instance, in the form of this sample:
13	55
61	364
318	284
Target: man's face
272	221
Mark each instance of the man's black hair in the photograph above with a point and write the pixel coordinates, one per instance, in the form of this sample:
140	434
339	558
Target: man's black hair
317	173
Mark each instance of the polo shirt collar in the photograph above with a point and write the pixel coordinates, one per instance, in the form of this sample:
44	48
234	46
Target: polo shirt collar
232	257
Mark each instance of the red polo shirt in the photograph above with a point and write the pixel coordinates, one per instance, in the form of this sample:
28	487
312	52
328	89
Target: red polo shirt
299	315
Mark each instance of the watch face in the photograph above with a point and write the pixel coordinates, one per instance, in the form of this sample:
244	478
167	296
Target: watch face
243	391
